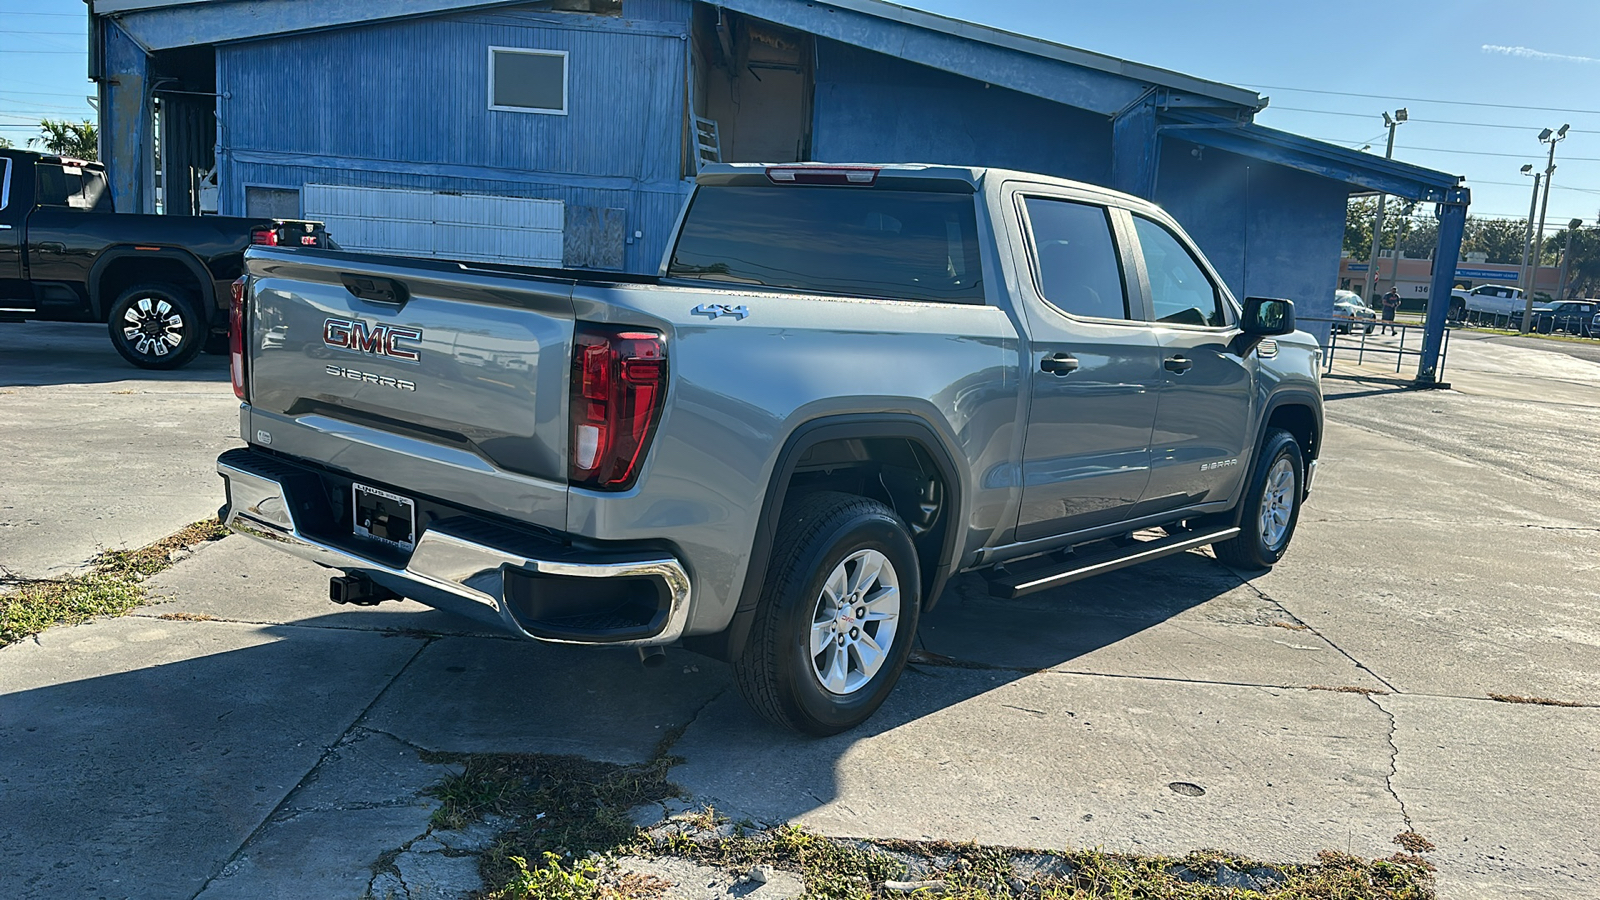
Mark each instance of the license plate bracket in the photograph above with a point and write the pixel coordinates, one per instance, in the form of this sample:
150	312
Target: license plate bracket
382	516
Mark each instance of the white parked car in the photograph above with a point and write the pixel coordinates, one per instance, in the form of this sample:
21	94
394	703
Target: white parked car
1348	305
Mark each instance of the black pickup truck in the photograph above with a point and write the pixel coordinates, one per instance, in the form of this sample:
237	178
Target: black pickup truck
162	283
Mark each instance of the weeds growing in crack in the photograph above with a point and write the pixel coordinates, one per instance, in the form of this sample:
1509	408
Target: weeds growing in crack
1536	701
111	587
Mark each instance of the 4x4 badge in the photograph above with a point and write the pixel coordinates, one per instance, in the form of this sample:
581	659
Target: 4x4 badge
718	310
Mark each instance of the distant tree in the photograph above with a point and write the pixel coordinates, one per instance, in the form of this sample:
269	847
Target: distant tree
5	143
1501	239
1358	216
1583	271
79	140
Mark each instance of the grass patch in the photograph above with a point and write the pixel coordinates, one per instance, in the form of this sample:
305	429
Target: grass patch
568	816
1536	701
1510	332
111	587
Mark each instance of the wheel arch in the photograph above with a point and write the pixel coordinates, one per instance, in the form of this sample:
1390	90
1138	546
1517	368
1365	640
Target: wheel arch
120	268
822	433
1300	414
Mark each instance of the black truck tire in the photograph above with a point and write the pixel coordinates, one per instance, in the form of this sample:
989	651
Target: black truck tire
814	664
156	326
1270	508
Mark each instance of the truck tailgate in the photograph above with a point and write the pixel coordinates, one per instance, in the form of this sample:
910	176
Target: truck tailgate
405	372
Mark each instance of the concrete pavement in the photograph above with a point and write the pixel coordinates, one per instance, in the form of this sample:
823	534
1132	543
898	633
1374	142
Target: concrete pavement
96	454
260	742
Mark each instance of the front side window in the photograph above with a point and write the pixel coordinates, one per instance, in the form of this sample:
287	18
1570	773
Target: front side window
1180	292
71	187
1075	259
870	242
531	81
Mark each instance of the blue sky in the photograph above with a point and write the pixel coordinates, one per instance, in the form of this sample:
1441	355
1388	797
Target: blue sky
1507	70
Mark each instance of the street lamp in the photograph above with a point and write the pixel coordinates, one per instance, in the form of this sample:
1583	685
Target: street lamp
1400	115
1552	138
1566	257
1524	278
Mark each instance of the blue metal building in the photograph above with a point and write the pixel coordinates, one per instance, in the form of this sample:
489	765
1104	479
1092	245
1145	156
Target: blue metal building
575	126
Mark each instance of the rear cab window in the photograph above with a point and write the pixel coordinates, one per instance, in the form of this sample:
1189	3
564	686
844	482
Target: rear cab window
1076	266
874	242
65	186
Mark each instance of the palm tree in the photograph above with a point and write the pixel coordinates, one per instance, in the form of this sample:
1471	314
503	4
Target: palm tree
79	140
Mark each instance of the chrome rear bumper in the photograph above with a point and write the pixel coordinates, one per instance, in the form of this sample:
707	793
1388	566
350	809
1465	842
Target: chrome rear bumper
446	570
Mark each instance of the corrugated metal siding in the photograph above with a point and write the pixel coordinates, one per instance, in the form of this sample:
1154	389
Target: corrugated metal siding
657	10
874	108
405	105
431	224
652	212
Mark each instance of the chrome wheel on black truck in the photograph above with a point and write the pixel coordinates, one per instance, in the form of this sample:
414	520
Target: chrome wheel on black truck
838	613
156	326
1270	508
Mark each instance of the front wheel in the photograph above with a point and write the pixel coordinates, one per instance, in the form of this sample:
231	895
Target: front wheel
156	326
837	617
1271	505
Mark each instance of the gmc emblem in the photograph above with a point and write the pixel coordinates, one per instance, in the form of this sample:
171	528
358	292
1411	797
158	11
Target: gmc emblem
377	340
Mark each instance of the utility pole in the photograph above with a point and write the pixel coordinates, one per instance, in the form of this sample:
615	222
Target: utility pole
1524	280
1552	138
1400	115
1566	258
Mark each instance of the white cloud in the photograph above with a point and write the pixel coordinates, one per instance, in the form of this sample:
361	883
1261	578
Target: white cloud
1540	55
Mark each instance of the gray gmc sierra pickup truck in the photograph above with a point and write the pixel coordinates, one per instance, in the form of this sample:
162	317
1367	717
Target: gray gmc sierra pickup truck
846	384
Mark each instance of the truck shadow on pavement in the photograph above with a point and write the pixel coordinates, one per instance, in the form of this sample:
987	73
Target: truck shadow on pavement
47	353
165	743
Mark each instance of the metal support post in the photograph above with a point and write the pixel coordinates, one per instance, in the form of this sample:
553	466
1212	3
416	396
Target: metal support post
1452	227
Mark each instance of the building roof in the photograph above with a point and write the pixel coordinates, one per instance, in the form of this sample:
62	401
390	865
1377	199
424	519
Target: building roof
1210	113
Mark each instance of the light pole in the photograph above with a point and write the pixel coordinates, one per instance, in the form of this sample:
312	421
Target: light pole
1552	138
1566	258
1524	280
1400	115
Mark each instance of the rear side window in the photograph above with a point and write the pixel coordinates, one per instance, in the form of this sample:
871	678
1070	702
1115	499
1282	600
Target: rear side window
72	187
850	241
1075	260
1180	292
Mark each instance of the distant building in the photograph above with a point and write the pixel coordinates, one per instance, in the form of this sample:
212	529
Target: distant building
569	131
1415	276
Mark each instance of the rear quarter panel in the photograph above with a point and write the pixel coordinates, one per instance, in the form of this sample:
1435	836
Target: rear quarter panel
740	387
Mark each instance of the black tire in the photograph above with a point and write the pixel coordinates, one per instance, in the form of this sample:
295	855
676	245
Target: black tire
156	326
1254	547
1369	327
777	673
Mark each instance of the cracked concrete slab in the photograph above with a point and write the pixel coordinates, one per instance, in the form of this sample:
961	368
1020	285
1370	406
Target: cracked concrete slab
680	879
1055	760
1184	618
469	695
74	417
1509	793
163	745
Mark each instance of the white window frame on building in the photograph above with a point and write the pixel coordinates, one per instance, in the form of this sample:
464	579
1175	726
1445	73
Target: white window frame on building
566	76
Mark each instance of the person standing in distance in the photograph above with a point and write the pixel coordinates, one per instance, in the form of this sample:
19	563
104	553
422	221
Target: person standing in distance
1391	305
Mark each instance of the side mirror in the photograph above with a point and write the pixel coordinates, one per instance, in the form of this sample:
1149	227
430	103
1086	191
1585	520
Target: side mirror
1267	317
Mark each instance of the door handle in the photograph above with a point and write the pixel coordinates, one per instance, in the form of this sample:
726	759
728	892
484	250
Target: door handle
52	247
1178	364
1059	364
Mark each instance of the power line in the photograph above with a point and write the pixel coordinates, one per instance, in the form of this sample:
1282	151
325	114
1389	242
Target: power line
1276	87
41	93
11	12
20	52
62	33
1529	155
1329	112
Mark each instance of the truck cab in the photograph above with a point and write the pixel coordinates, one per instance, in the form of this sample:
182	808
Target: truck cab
161	283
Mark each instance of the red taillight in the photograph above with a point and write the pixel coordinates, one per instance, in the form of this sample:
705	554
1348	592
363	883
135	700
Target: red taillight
619	384
236	338
266	237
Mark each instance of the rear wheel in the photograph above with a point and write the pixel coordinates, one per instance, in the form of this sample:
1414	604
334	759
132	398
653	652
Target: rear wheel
838	613
156	326
1271	505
